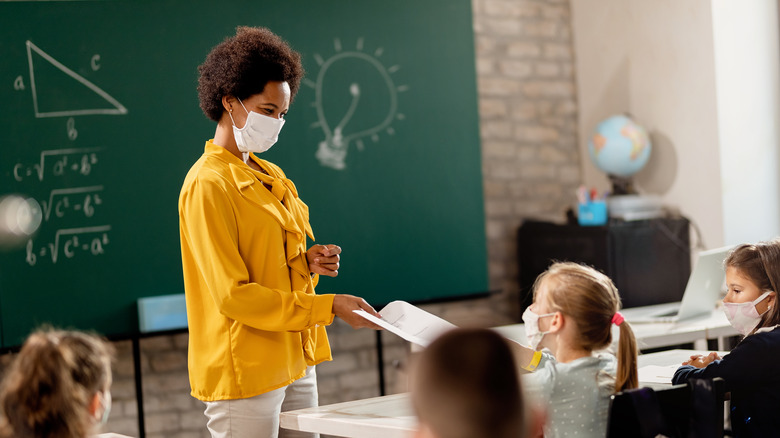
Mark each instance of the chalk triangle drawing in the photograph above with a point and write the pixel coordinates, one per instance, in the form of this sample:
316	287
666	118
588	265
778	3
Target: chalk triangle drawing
60	96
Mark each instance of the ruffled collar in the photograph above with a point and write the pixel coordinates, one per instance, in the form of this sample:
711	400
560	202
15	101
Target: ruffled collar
281	202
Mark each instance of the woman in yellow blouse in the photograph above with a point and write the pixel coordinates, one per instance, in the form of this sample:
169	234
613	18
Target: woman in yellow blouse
256	326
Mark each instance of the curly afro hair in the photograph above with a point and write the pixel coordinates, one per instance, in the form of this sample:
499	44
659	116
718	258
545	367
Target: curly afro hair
241	65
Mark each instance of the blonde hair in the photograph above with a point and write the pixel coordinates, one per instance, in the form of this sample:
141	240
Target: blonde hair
465	385
591	299
51	383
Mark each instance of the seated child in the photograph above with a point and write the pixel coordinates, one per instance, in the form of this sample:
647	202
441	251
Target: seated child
465	385
572	314
57	386
750	369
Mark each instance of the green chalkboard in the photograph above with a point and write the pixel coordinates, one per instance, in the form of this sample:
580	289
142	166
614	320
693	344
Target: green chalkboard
101	122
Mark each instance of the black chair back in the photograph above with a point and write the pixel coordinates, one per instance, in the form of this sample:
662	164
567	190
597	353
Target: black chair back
692	410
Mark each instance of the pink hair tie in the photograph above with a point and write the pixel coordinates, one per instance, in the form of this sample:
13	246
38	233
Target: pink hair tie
617	318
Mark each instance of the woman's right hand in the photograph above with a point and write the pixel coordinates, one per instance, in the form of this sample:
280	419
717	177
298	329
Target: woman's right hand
343	306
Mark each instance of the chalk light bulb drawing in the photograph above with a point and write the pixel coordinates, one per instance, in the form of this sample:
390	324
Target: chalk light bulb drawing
332	151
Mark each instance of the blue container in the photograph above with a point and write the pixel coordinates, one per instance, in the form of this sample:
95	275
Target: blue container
592	213
164	312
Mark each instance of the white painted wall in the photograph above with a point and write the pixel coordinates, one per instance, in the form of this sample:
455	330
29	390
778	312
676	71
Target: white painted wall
747	77
657	60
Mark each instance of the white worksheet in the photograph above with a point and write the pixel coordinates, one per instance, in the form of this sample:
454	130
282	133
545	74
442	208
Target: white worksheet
409	322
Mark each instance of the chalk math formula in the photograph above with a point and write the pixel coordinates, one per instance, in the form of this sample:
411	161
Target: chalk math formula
63	179
76	203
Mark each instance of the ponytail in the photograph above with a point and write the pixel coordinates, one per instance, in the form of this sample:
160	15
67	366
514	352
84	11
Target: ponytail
627	376
591	299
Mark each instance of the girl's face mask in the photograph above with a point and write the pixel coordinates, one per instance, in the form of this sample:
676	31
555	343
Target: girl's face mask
744	317
105	401
532	332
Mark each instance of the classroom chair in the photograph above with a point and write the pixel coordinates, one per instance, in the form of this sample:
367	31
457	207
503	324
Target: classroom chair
691	410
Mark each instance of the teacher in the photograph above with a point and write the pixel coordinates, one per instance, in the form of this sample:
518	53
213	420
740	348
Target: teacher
256	326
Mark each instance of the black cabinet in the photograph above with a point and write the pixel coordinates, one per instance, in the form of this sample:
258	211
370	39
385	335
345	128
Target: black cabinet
649	260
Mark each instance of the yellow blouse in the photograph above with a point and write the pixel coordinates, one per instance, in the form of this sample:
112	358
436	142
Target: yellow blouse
255	322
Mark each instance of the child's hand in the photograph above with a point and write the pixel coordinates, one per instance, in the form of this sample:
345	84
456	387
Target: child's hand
700	361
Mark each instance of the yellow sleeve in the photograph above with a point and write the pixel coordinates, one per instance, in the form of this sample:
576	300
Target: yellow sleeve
210	243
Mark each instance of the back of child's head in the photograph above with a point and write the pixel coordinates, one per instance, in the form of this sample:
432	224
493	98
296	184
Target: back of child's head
591	299
465	385
759	263
47	390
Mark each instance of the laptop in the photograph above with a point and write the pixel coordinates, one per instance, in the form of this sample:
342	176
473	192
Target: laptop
704	289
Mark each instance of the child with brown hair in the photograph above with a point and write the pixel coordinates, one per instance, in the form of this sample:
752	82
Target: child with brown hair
750	369
572	314
57	387
465	385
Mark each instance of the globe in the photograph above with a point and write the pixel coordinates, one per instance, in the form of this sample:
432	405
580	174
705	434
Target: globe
619	147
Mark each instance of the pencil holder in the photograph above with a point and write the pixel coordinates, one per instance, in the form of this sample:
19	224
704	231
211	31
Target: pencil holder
592	213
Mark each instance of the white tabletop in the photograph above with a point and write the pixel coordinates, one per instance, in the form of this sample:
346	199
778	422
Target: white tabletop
392	416
669	357
656	369
663	334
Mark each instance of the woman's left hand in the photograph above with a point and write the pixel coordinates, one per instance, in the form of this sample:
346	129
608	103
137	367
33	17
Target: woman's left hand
324	259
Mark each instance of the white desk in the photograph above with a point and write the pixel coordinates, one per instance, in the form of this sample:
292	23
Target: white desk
697	330
669	357
392	416
658	334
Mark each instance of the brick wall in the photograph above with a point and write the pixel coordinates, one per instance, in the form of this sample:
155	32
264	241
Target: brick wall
531	168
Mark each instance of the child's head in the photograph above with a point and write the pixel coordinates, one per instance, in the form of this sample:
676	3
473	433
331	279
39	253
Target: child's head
590	301
57	386
465	385
753	276
583	294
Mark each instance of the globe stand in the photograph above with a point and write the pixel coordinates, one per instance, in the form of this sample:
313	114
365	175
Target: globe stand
626	204
622	185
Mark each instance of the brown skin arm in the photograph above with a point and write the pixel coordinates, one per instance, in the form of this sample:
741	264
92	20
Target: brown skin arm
343	306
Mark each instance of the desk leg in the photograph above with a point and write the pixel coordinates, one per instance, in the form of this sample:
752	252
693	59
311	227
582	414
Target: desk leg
700	344
139	392
380	362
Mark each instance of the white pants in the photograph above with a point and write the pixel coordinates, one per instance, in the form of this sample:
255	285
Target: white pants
258	417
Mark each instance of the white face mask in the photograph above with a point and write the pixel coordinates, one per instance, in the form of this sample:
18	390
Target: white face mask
532	332
105	400
258	134
744	317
